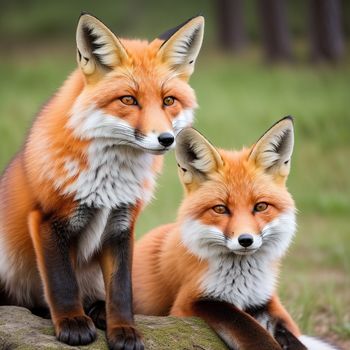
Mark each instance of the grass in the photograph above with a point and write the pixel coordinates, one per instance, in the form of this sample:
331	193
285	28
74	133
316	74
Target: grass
239	100
315	280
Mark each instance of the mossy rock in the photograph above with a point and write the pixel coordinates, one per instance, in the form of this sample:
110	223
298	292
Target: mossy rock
20	329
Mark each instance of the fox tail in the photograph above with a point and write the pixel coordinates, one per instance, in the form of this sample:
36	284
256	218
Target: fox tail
315	344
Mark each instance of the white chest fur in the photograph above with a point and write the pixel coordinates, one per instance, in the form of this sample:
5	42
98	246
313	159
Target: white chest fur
115	176
244	281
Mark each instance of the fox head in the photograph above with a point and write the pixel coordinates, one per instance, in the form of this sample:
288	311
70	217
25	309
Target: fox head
135	92
237	202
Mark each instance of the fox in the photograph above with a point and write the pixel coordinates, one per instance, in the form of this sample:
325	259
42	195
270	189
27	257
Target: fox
220	260
72	194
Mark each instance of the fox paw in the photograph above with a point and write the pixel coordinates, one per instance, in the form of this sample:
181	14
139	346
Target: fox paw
97	312
287	340
124	338
79	330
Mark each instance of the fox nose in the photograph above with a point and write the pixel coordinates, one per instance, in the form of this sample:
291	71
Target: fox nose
245	240
166	139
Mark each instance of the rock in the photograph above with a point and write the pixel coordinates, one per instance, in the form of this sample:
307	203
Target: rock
20	329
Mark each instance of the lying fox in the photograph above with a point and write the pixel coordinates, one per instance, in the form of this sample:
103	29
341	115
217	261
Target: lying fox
220	260
71	196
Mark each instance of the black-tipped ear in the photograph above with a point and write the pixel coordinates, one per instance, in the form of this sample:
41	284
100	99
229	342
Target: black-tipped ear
195	156
97	47
274	149
182	45
170	32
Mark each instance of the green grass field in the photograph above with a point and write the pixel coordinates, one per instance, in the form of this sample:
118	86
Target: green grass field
239	99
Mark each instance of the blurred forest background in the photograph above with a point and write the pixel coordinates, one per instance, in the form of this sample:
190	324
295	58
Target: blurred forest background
261	60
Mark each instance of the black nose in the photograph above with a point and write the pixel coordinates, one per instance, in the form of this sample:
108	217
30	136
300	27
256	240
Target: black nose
166	139
245	240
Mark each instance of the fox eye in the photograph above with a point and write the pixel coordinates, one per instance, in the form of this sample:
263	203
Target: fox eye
220	209
128	100
168	101
261	206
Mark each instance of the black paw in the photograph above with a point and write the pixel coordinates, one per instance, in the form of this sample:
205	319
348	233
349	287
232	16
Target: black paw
97	312
124	338
79	330
287	340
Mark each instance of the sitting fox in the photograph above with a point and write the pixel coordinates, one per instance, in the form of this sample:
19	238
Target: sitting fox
72	194
220	260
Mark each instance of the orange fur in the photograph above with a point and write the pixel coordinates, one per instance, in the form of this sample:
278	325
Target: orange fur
167	276
164	269
278	311
158	273
23	188
46	185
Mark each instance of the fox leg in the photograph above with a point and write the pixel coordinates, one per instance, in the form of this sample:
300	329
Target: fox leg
51	244
287	331
236	328
116	263
279	312
97	312
275	319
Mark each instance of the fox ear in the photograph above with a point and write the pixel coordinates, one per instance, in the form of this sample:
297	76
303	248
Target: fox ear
196	157
98	49
274	149
182	45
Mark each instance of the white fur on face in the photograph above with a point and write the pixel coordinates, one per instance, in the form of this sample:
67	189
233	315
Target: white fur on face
278	234
243	280
184	119
119	163
93	123
203	241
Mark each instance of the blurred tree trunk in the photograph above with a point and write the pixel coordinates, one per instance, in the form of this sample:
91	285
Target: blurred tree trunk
275	31
326	35
232	34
